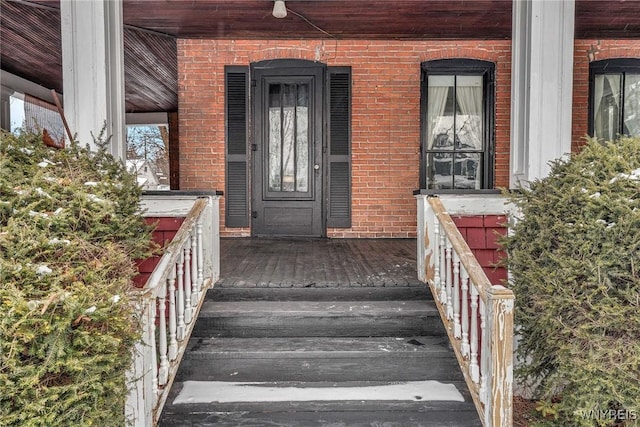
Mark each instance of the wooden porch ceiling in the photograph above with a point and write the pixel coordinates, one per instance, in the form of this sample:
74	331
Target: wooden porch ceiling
31	47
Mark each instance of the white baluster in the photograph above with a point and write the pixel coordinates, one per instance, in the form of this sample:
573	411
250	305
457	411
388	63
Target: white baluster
443	269
436	256
474	369
464	345
200	256
457	329
151	305
188	312
449	281
180	301
163	372
484	354
173	343
194	267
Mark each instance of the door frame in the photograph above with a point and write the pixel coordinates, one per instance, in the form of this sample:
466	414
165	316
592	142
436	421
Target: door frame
287	67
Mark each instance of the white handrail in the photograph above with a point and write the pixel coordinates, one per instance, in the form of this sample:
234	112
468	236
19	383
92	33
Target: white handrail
171	299
477	314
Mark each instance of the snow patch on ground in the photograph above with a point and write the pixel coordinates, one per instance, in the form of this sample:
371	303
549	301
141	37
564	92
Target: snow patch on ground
226	392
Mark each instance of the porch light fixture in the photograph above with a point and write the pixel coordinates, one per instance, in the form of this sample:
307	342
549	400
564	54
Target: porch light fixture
279	9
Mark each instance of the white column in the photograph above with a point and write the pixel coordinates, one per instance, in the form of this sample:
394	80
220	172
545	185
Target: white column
93	70
541	86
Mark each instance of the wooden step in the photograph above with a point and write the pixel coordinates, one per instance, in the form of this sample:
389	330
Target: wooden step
319	359
318	318
421	292
342	403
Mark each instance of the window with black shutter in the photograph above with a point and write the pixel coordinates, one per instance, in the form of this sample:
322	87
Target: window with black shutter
236	114
339	124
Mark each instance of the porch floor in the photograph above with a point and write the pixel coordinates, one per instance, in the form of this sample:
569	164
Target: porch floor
320	263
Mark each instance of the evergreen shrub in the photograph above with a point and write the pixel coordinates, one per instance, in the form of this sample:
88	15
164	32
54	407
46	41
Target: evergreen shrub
70	228
575	260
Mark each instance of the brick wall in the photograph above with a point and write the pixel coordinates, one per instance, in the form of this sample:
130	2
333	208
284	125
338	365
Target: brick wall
482	233
385	117
584	52
166	229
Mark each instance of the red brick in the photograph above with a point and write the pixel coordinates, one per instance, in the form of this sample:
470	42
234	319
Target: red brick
385	115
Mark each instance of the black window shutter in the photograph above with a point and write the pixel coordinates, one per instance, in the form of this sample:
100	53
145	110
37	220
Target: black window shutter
339	210
236	114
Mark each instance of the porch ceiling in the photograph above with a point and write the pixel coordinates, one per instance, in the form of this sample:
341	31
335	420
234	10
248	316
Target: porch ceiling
31	47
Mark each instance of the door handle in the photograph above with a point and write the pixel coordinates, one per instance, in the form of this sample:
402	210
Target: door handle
316	167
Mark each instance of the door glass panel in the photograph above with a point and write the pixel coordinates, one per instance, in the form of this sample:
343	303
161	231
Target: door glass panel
288	138
302	138
275	138
288	142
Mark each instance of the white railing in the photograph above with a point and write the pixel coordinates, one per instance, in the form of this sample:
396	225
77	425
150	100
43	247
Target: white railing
477	315
169	304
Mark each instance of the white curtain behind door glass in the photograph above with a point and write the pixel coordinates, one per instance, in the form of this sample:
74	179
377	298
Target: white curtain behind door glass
288	141
438	90
469	121
606	106
632	104
302	148
275	144
288	137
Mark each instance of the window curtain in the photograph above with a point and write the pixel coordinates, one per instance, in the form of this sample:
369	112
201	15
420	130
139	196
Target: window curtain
631	117
606	106
39	115
469	121
436	104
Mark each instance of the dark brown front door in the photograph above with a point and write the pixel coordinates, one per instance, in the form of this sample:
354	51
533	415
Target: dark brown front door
287	157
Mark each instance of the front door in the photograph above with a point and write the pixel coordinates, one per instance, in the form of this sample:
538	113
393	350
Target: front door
287	152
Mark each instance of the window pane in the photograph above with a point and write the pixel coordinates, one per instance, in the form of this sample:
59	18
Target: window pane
16	113
148	155
606	106
275	138
288	138
302	138
439	117
467	171
440	170
469	122
631	118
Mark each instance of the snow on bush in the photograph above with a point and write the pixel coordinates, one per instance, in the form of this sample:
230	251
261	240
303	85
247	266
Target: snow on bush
67	317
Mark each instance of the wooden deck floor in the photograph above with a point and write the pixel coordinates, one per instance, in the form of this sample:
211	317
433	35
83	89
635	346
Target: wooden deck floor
321	263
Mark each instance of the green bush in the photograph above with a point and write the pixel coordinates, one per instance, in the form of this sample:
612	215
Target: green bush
70	227
575	260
